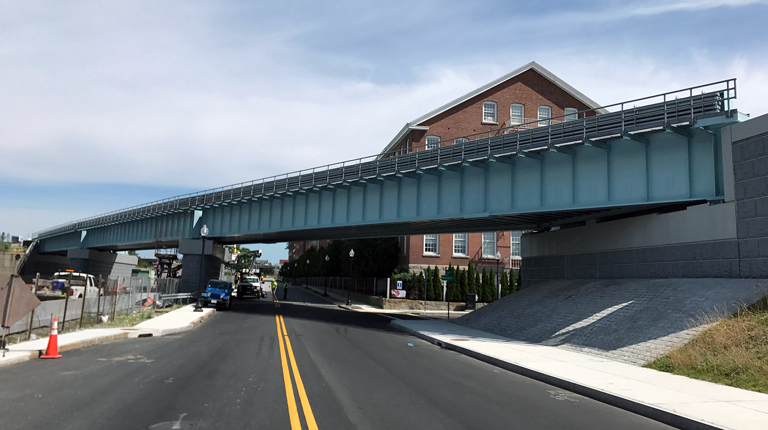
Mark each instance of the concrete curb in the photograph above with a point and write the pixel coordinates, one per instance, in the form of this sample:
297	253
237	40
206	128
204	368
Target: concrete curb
66	347
20	359
174	330
646	410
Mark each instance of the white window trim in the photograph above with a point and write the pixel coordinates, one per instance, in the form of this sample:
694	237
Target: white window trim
522	114
437	245
437	144
460	140
515	242
495	245
466	245
568	115
544	121
488	120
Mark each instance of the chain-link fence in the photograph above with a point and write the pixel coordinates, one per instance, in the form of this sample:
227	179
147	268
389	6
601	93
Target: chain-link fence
116	296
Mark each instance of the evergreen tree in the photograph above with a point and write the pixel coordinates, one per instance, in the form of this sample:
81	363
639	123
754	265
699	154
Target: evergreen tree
417	292
512	283
471	279
490	287
428	283
462	278
504	284
519	283
437	285
483	286
478	286
451	285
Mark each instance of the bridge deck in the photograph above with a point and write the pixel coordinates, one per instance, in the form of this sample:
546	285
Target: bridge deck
520	140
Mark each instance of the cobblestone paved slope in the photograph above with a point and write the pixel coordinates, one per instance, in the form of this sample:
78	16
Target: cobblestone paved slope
630	320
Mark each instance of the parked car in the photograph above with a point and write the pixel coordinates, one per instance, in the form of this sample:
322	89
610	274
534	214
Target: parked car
218	293
79	282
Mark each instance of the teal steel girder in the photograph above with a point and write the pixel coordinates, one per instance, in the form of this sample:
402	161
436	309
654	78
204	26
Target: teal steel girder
650	169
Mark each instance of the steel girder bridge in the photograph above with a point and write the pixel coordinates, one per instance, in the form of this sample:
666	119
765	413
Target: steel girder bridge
655	154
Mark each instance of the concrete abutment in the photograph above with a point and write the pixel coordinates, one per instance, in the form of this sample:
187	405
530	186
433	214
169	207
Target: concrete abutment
718	240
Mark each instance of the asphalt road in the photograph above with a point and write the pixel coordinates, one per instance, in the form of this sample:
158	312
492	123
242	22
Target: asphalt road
233	372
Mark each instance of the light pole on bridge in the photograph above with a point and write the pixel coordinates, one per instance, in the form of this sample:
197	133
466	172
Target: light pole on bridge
349	288
203	235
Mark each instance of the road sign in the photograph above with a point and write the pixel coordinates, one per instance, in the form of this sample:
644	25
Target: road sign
448	278
397	294
399	285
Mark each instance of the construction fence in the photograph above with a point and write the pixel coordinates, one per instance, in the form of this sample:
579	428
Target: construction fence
117	296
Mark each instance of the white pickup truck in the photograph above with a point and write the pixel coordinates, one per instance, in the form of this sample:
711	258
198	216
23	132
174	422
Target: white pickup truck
80	281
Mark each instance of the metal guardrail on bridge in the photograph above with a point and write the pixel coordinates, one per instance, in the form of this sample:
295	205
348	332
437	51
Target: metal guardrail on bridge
662	110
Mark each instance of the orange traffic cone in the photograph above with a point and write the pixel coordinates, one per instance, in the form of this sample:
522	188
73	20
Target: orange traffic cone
53	342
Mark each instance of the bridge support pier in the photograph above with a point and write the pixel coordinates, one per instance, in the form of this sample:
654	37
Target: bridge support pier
90	261
212	260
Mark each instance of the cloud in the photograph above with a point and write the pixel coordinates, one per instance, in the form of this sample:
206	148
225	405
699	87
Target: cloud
199	95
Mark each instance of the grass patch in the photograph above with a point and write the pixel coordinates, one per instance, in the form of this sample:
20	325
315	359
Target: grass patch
732	352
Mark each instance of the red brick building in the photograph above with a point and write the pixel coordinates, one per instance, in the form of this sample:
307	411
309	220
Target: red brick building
527	97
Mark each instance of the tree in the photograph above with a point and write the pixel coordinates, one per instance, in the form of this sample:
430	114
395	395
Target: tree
437	285
471	279
504	284
478	286
417	290
243	260
462	278
483	291
428	283
519	283
450	285
512	283
489	291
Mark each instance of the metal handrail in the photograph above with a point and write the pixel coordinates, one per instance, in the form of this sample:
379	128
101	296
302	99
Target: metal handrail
529	136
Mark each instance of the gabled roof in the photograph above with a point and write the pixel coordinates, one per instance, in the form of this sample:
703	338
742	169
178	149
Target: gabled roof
414	124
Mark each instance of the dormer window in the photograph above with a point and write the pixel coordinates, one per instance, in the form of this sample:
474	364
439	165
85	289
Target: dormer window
489	113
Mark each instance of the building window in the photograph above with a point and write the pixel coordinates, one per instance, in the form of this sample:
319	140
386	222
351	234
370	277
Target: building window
460	140
514	244
571	114
489	112
431	242
489	245
460	244
433	142
545	113
516	114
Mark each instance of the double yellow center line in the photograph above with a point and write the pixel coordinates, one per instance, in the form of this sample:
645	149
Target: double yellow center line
285	349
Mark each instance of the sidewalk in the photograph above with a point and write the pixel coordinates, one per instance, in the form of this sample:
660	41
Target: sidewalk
173	322
675	400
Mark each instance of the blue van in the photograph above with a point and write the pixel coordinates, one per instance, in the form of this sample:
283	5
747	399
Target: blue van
218	293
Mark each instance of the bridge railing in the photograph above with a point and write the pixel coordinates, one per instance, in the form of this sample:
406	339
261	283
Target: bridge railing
661	110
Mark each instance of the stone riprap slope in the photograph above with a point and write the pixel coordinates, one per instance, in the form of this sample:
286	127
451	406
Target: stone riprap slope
629	320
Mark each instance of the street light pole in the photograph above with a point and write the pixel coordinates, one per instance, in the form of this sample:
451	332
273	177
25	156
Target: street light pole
498	287
203	235
349	290
306	286
325	289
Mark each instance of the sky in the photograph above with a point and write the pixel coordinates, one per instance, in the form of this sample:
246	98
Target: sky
105	105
